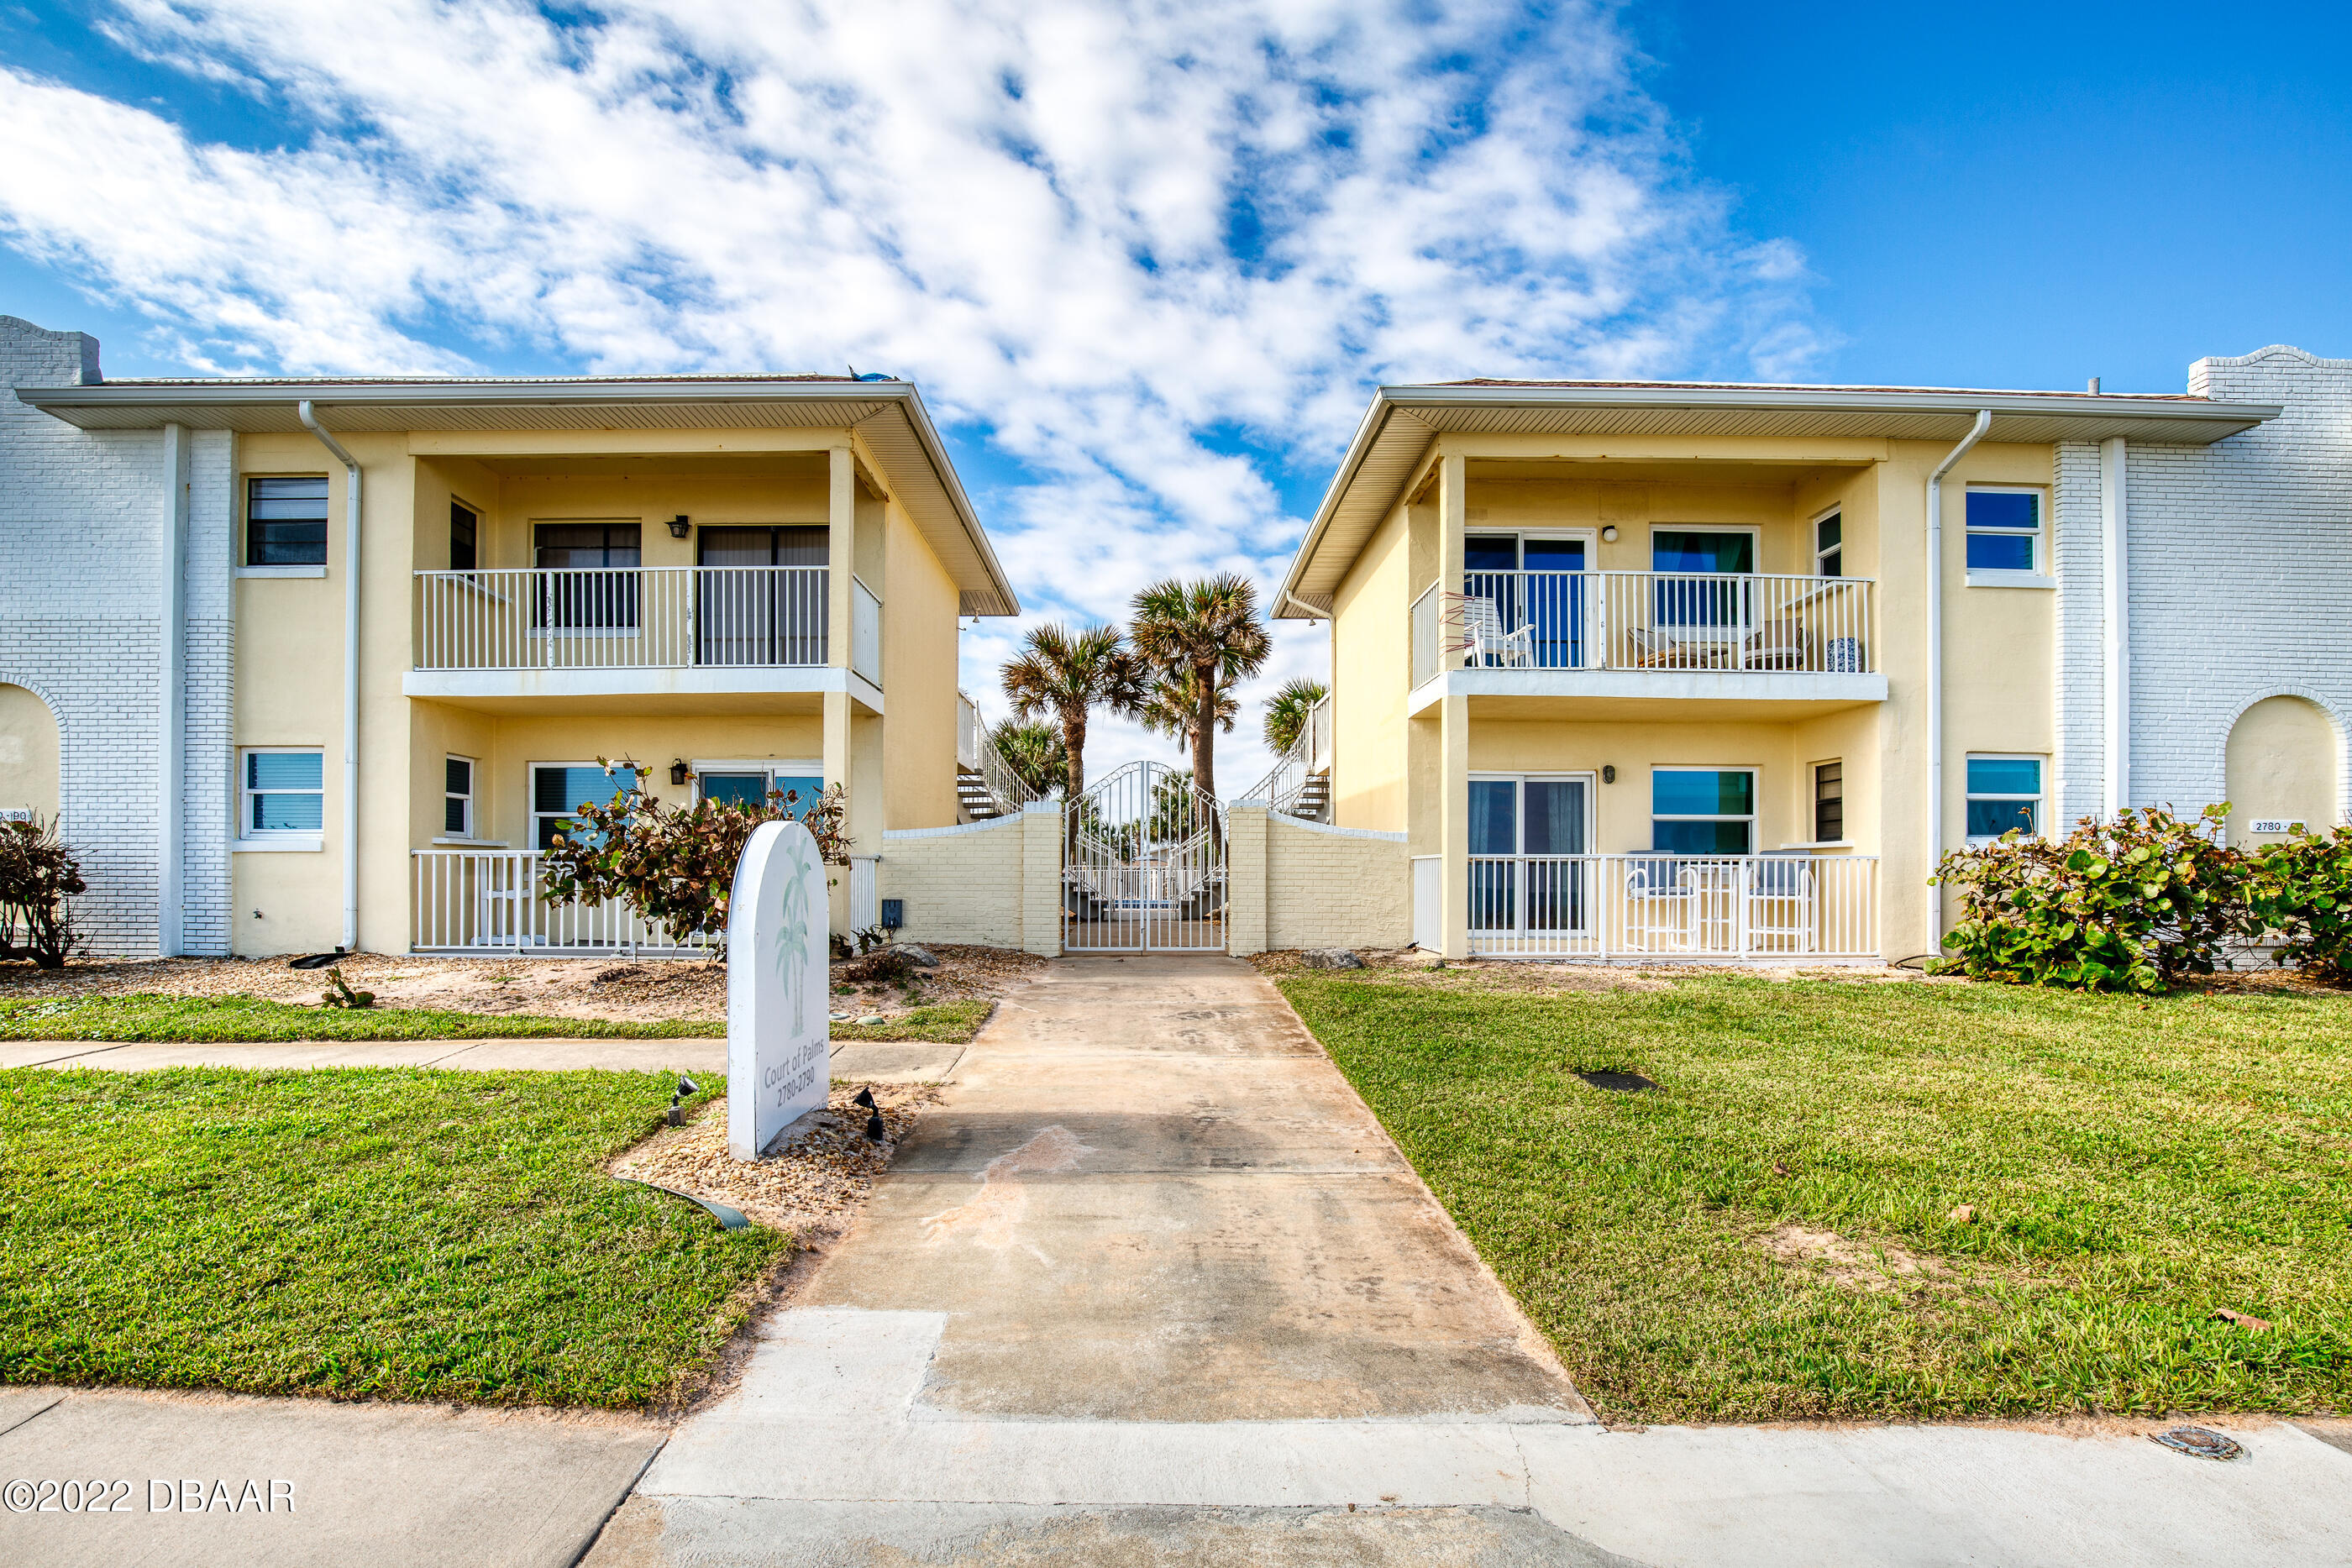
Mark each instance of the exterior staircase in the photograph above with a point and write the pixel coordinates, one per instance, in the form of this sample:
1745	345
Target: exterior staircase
1314	801
978	802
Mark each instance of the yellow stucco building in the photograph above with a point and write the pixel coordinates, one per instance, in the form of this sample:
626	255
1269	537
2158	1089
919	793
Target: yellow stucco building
1651	672
449	604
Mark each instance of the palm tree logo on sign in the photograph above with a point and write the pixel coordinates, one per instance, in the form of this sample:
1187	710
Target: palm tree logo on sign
777	1033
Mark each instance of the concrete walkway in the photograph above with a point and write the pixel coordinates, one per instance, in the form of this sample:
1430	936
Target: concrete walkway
1150	1287
853	1060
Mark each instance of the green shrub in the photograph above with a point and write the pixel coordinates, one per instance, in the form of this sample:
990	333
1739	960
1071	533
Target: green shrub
2130	905
2302	889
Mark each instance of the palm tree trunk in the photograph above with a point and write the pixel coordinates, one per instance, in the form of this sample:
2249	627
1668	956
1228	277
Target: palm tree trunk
1204	730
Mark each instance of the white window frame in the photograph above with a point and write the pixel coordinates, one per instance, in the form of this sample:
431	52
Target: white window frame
295	839
473	828
1813	539
1983	577
532	813
1755	805
2041	801
1522	887
794	768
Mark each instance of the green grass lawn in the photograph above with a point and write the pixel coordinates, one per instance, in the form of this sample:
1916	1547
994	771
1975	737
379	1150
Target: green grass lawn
219	1019
2132	1167
393	1234
222	1019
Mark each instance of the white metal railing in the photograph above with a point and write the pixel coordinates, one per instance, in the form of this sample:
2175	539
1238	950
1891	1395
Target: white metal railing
670	617
488	901
976	754
1309	757
970	730
1660	620
1723	908
864	908
1428	654
865	632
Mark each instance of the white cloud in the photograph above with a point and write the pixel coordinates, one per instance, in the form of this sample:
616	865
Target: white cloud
1091	231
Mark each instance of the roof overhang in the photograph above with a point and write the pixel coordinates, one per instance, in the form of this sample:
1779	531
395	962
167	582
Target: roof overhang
1403	423
888	415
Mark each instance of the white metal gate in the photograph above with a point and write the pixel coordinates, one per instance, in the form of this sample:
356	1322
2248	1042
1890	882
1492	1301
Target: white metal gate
1143	865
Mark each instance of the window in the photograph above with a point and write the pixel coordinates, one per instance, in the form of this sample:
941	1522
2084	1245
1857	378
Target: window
558	790
1691	553
749	783
1829	546
2004	793
282	793
1702	810
1828	802
2004	530
760	617
1553	597
457	798
286	521
464	527
597	588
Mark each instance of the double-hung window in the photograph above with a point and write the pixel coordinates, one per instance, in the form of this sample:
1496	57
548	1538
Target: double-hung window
558	790
286	521
2004	793
2004	529
1702	810
1829	545
457	798
281	793
1828	802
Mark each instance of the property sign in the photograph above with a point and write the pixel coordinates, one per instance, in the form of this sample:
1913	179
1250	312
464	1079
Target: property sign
778	1038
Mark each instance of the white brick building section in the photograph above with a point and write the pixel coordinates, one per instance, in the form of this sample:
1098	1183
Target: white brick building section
2241	573
82	555
1336	887
2078	558
959	884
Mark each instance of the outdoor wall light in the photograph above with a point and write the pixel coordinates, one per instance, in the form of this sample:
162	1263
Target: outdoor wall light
680	772
678	525
1608	773
1610	535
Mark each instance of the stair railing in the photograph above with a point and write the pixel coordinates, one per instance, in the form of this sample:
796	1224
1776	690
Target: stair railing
1007	789
1308	758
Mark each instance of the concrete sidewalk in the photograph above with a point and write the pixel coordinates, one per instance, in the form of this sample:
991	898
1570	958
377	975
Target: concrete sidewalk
853	1060
1151	1287
329	1483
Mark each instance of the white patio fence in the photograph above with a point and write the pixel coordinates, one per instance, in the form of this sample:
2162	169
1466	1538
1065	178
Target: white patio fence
634	617
1718	908
488	901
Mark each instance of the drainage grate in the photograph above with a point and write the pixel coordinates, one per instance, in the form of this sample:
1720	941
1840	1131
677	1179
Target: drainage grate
1621	1082
2201	1441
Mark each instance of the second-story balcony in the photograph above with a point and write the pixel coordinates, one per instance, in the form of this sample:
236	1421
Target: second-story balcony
1650	634
538	633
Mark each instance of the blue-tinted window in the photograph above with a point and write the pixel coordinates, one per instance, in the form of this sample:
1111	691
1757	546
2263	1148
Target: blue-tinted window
2004	530
1702	792
558	792
1490	552
1494	802
2005	792
1700	838
800	792
1685	549
284	792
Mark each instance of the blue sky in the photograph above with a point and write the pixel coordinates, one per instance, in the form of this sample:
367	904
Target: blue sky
1147	259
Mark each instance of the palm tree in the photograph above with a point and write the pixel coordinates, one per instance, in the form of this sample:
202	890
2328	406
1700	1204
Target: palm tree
1206	634
1063	675
1172	707
1033	752
1286	711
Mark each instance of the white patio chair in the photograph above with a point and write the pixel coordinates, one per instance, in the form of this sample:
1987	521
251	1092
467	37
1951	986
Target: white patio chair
1780	895
1488	645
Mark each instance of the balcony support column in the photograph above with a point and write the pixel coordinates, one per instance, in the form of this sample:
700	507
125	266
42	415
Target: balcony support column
841	552
1454	827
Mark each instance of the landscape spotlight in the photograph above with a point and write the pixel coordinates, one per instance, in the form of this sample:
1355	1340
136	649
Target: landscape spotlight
685	1087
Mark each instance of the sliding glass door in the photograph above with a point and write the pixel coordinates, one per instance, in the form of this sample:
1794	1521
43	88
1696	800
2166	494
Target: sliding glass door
1528	837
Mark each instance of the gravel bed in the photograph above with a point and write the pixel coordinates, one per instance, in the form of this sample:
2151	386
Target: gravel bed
816	1185
656	989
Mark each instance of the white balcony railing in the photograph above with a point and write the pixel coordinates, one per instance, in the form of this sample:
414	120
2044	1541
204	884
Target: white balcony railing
1780	908
608	618
865	632
1648	621
488	901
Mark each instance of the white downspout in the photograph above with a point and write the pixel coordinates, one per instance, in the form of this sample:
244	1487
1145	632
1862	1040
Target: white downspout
351	677
2115	549
1935	649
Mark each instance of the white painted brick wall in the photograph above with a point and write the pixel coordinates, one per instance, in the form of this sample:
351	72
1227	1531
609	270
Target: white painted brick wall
2240	572
2078	557
959	884
82	614
1336	887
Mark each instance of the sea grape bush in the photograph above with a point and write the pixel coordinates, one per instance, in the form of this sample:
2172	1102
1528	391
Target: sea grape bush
2128	904
39	880
2302	891
675	866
